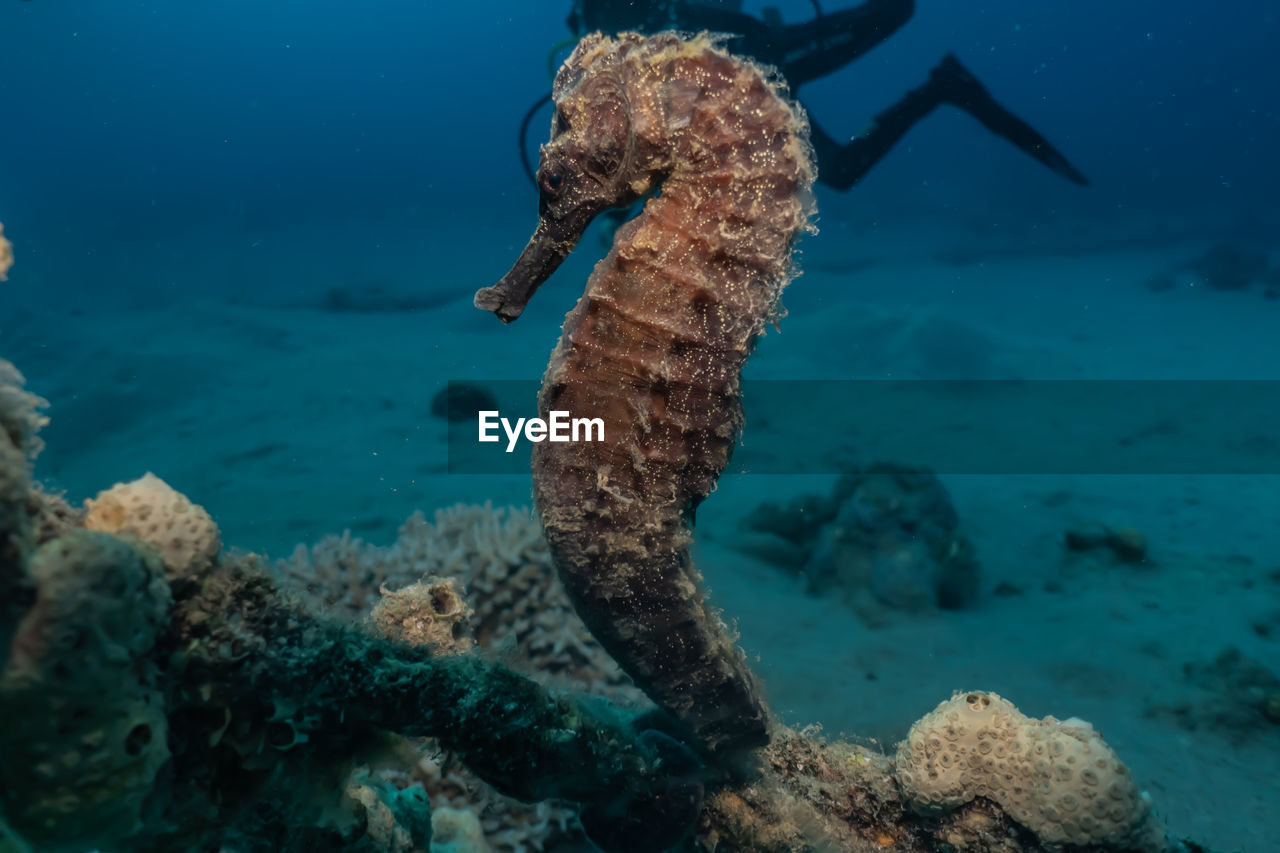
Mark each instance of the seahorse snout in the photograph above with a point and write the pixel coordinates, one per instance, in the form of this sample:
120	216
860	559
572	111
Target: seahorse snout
550	245
585	169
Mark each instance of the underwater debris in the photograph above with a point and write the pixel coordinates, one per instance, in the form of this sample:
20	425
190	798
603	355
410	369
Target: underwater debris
886	537
657	342
1223	266
1234	696
1228	267
459	402
377	298
1125	545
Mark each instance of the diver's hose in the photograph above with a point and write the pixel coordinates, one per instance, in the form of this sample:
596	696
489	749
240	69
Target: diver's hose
553	65
523	139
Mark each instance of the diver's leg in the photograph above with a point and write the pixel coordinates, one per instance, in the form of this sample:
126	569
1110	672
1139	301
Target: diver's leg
807	51
802	52
955	85
840	166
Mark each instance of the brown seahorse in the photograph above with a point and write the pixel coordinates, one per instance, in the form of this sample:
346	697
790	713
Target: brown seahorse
656	344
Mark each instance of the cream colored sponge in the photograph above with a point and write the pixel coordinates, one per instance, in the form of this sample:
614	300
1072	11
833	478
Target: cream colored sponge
149	509
429	613
1055	777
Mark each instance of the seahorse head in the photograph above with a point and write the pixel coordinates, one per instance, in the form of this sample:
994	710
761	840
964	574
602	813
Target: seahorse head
589	165
635	112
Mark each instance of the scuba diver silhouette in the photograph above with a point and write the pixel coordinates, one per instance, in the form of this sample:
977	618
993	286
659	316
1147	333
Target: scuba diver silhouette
806	51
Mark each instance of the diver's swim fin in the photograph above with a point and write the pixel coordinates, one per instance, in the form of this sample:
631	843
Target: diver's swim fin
954	84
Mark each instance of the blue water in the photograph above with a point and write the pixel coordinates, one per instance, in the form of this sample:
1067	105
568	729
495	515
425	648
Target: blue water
194	189
138	122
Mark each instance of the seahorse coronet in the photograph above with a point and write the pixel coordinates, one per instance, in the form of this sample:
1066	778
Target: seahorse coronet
657	342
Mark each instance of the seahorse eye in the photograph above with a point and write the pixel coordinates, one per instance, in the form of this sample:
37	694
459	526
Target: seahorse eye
552	181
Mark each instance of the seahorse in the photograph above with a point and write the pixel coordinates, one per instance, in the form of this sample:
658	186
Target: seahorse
656	344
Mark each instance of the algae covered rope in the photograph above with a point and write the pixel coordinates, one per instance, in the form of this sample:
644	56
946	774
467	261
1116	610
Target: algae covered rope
236	643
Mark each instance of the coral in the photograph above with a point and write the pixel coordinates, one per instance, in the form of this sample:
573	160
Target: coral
499	558
809	795
233	718
258	708
508	825
1057	778
50	514
20	421
434	615
397	820
6	255
20	417
457	831
813	795
320	688
429	613
150	509
84	716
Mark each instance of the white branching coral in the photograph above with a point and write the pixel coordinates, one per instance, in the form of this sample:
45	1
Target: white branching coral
20	411
20	420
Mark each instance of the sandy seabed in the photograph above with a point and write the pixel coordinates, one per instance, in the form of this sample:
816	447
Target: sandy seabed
290	415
